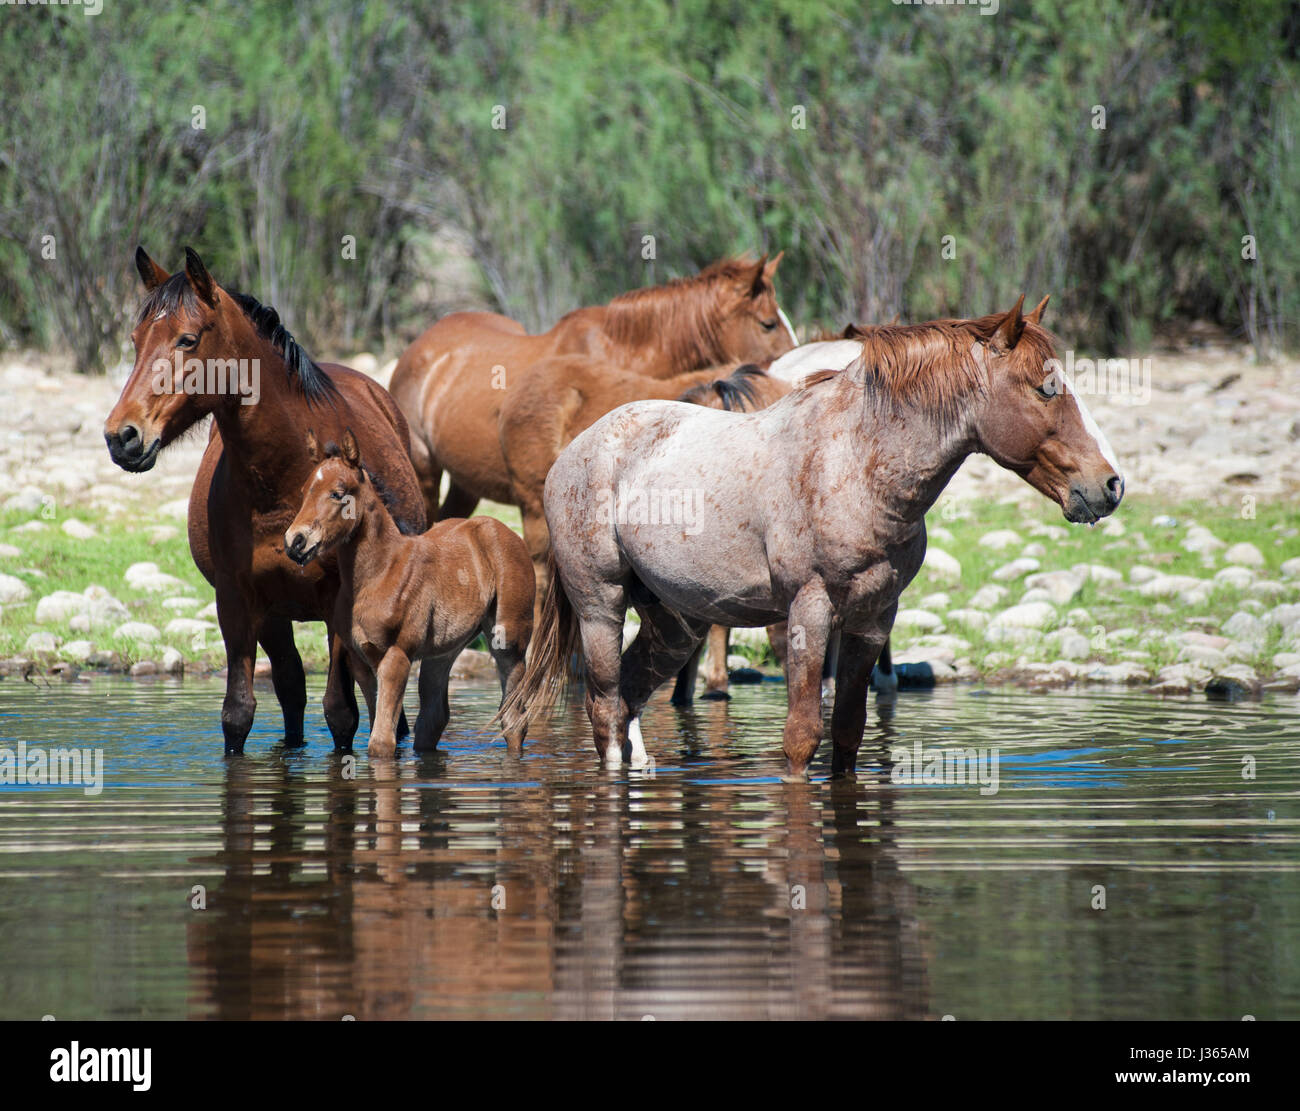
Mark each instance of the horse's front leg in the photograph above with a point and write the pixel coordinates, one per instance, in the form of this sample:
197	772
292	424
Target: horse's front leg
857	657
340	698
239	632
287	676
809	626
393	671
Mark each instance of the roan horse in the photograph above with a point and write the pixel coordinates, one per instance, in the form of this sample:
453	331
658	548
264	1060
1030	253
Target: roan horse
562	395
189	339
452	381
824	526
407	598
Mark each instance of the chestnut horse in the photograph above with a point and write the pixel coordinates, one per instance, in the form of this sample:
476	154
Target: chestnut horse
452	382
824	525
189	338
406	598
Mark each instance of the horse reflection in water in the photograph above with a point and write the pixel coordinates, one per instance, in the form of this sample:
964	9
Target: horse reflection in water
374	897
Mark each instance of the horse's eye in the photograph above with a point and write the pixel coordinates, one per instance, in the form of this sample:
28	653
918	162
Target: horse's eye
768	325
335	495
187	341
1046	390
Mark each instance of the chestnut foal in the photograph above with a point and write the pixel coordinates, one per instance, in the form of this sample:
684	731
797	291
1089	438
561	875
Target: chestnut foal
404	598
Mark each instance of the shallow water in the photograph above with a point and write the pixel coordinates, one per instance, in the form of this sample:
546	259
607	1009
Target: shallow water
470	884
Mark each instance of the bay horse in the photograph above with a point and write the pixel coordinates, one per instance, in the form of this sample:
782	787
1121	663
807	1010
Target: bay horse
562	395
190	338
406	598
454	379
823	527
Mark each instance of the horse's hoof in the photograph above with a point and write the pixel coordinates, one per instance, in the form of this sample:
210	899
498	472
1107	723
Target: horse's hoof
382	751
716	696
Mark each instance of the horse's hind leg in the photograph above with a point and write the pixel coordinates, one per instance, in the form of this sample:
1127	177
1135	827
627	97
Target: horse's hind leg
857	656
684	687
458	503
507	644
666	641
715	669
435	708
287	676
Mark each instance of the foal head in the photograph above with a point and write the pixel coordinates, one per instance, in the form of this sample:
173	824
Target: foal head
331	503
198	349
1034	423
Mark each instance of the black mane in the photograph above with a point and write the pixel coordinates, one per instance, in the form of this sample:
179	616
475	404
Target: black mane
176	294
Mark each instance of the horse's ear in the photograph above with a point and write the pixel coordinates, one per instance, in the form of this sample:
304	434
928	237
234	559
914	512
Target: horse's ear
1008	331
151	273
313	446
351	453
770	268
1037	315
758	279
199	277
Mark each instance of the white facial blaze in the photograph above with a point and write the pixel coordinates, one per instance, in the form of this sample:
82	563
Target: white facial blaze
1103	444
319	475
788	326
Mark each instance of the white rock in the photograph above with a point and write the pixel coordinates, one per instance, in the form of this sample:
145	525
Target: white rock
28	500
79	650
942	566
41	642
1141	574
938	601
180	508
940	535
1201	539
1245	554
209	613
180	604
999	539
1291	568
1074	646
140	631
1124	672
172	661
1015	569
1169	586
60	605
1030	615
8	551
1033	551
188	627
1062	586
13	591
976	619
917	619
988	596
1244	626
1237	578
78	530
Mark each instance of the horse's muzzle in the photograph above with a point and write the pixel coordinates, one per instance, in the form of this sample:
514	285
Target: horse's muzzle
127	448
297	548
1091	502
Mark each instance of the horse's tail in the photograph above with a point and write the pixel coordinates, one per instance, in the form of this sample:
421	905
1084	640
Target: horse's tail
556	638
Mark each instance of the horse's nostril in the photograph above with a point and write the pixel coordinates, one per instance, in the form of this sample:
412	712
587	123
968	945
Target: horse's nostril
1115	489
128	433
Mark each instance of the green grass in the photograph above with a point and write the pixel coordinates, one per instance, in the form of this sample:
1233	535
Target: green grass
51	561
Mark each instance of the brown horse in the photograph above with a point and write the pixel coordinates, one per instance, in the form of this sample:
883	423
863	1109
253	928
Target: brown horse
564	394
406	598
824	526
453	381
199	350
